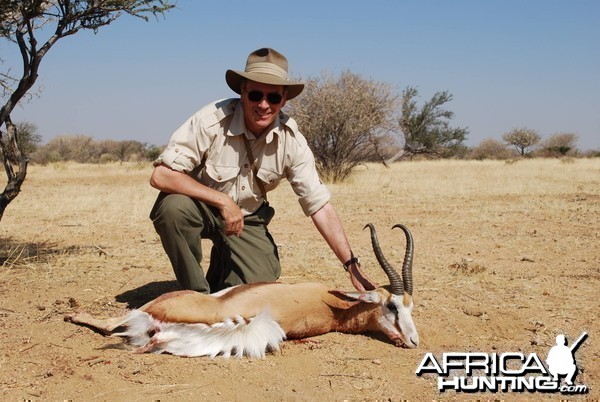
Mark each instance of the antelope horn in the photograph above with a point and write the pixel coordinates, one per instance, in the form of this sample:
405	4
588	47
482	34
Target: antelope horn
408	259
395	280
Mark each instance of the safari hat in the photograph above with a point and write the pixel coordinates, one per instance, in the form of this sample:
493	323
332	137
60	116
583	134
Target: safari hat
266	66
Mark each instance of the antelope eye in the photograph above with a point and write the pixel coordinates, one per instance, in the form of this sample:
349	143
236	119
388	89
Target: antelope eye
391	306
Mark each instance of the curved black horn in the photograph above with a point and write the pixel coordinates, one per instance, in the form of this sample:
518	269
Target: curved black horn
392	274
408	259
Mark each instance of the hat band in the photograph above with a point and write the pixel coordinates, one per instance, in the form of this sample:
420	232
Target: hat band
267	68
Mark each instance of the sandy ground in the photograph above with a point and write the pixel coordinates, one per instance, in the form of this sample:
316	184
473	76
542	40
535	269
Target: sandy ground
507	258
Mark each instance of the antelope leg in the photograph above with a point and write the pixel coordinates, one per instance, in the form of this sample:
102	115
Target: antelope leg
106	326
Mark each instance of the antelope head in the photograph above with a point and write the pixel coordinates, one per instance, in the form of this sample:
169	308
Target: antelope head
395	300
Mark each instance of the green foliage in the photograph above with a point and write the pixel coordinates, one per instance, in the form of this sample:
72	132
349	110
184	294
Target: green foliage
594	153
152	152
427	130
559	145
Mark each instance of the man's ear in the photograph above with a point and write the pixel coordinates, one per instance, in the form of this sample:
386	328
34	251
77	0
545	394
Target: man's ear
366	297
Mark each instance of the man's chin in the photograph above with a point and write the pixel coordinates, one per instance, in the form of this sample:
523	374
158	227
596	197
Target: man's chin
261	125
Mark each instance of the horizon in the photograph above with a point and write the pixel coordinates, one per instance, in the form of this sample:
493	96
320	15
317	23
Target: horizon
507	65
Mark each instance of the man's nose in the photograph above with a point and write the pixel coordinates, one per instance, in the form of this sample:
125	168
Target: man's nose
263	103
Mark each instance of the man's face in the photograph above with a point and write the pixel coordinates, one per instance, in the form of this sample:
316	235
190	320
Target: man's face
260	105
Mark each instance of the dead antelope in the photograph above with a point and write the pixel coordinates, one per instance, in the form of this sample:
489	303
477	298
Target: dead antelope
255	318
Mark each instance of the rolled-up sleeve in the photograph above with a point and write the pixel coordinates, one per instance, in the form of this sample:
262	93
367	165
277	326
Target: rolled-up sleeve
304	178
177	158
189	142
314	201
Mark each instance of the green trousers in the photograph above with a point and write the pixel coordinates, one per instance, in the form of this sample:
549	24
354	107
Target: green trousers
181	222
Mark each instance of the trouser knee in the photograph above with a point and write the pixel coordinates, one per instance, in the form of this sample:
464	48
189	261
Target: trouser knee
179	224
173	211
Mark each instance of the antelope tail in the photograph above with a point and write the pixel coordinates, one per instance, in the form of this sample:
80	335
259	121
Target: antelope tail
236	336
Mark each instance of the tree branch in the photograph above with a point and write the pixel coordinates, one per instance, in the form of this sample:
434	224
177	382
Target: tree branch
19	23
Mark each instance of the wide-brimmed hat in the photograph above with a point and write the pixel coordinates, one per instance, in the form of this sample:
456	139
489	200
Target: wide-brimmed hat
266	66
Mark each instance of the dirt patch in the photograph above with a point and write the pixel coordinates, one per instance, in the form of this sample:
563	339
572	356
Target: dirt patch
506	258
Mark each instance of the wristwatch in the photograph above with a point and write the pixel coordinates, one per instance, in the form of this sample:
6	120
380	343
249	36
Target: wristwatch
353	260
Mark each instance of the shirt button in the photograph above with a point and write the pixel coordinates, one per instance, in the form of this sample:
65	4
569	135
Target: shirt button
246	166
219	178
243	187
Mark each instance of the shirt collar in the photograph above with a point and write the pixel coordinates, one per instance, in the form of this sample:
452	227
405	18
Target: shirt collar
238	126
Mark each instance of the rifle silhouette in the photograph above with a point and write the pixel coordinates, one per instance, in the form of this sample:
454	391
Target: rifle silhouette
578	342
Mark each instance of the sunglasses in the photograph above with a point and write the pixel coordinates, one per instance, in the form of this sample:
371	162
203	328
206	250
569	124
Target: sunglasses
273	98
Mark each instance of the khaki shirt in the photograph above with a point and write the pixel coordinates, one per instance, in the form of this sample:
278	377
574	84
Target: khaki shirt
209	147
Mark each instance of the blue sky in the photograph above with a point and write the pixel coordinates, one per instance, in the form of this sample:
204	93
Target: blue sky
526	63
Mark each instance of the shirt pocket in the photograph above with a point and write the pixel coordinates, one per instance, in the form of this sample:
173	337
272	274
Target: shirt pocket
270	178
220	177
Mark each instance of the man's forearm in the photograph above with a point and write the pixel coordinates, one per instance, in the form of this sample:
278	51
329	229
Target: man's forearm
173	182
170	181
329	225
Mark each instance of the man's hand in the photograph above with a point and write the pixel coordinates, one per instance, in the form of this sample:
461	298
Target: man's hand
170	181
232	216
329	225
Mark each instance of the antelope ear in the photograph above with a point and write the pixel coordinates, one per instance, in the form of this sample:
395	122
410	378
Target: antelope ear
366	297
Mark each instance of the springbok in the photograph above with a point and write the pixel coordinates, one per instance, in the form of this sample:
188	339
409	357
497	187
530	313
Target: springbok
252	319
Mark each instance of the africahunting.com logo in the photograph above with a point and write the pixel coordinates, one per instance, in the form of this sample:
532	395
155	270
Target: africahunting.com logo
507	372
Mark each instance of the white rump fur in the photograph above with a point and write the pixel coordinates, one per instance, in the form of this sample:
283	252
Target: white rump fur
235	336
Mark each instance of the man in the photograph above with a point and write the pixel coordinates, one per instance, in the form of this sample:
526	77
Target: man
561	360
215	174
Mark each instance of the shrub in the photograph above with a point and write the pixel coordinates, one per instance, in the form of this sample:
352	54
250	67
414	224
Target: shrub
491	149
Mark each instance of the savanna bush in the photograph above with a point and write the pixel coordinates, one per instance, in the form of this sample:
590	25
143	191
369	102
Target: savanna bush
491	149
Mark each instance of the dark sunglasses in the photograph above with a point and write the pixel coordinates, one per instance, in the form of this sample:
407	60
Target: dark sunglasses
273	98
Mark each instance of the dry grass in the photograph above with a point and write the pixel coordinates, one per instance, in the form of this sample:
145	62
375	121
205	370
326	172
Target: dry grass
507	257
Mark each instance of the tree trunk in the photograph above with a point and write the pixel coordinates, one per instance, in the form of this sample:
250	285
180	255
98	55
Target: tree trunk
15	165
393	159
